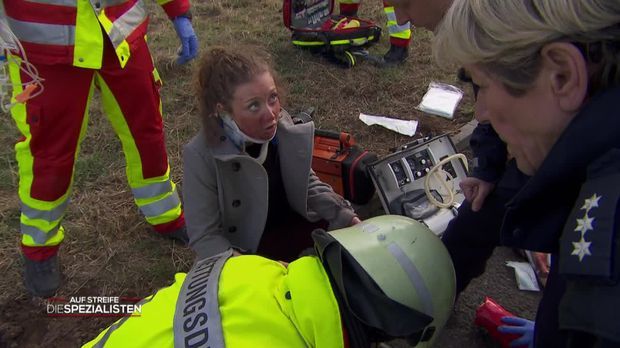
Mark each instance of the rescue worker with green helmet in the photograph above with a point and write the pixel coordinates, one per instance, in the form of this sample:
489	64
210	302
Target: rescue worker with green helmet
387	277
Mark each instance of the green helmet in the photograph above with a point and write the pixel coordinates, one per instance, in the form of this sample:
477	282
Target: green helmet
393	276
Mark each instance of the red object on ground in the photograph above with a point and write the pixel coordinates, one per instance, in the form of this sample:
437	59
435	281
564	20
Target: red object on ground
489	315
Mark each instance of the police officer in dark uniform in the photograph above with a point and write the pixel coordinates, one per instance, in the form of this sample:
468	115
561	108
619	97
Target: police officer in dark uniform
549	73
472	236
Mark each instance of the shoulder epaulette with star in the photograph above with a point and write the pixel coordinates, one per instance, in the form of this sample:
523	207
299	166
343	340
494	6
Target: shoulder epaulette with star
587	242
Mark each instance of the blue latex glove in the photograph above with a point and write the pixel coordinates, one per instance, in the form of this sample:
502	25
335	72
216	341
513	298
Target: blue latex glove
518	326
189	41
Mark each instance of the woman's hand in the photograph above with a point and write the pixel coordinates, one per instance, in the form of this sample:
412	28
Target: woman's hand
355	221
476	191
236	253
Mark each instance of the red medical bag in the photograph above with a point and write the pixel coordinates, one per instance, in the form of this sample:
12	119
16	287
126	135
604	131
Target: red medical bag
314	26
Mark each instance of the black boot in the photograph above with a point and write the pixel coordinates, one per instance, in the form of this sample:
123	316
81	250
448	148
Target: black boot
42	278
179	235
396	55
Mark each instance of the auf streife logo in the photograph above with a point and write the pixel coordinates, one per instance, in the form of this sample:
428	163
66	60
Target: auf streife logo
93	306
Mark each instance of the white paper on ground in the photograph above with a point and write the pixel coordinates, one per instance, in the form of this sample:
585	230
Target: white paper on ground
526	278
406	127
441	99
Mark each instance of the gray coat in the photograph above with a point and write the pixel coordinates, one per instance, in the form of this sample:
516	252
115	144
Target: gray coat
225	190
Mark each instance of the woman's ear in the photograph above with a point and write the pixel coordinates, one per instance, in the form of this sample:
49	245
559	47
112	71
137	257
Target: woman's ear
568	74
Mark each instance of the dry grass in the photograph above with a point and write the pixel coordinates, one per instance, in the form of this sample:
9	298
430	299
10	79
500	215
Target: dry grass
109	249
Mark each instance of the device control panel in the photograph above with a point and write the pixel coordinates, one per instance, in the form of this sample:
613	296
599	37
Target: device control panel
400	178
412	167
420	163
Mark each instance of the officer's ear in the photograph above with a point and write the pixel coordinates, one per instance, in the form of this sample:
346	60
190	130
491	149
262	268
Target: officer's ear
567	75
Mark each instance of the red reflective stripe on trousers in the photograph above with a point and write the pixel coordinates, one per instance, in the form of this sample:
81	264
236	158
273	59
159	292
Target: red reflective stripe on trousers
55	119
28	11
137	94
39	253
396	41
170	226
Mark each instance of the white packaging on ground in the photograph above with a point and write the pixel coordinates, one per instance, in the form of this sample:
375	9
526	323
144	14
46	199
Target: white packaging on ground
406	127
526	278
441	99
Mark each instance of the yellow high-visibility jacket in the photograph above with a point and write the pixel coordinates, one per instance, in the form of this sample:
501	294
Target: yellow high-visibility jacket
72	31
261	303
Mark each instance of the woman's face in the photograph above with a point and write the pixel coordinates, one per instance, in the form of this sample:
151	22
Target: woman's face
529	124
256	107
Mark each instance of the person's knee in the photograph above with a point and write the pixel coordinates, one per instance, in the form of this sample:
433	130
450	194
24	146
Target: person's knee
51	181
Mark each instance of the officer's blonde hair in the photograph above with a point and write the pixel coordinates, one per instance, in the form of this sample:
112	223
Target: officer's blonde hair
504	37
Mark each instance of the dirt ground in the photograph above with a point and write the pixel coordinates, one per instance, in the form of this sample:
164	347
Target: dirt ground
498	283
110	251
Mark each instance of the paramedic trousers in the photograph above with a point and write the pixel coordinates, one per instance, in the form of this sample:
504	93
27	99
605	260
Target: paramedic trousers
54	123
400	35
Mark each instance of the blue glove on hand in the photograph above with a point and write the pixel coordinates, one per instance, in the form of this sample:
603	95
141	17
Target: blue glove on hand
518	326
189	41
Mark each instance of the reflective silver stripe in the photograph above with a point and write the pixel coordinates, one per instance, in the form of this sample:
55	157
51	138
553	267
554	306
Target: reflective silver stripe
163	205
47	34
116	325
415	277
391	16
152	190
197	321
127	23
72	3
395	28
108	3
39	236
47	215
